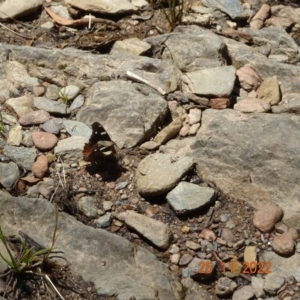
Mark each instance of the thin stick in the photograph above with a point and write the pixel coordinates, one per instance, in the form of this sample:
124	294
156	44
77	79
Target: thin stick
53	286
23	36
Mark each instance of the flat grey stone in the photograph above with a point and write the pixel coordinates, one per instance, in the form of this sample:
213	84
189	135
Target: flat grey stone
210	82
289	104
187	196
88	206
76	128
103	221
232	8
244	293
102	6
22	156
131	46
155	231
51	106
273	282
54	125
205	49
70	149
136	107
59	65
77	102
159	173
9	174
127	267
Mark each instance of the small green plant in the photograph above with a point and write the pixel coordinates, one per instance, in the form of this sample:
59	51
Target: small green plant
173	12
64	97
29	263
2	128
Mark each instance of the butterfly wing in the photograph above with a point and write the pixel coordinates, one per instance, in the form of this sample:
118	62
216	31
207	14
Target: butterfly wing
100	145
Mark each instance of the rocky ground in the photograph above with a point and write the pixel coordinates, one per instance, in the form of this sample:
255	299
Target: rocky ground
202	201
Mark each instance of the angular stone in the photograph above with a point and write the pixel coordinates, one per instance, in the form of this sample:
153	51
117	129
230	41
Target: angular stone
51	106
259	18
22	156
257	284
9	174
159	173
248	78
232	8
20	105
15	136
88	206
168	132
216	82
252	105
70	149
250	254
200	269
188	196
155	231
76	128
244	293
219	103
132	46
269	91
139	109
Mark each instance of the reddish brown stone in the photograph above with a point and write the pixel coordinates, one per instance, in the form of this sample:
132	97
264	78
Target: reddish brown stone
219	103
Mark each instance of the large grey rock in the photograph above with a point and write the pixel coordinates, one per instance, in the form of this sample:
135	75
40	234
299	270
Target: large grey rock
204	49
126	268
120	105
102	6
279	40
252	157
218	81
17	8
159	173
87	68
22	156
9	174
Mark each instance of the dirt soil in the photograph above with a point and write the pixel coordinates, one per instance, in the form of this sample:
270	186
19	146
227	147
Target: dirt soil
87	181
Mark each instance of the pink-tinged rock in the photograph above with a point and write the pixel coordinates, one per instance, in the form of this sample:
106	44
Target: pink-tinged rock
283	244
194	116
219	103
294	233
194	128
38	90
43	140
248	78
40	167
184	131
265	218
258	20
252	105
208	234
34	118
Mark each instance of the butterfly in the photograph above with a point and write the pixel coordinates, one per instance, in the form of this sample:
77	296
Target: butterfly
100	146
